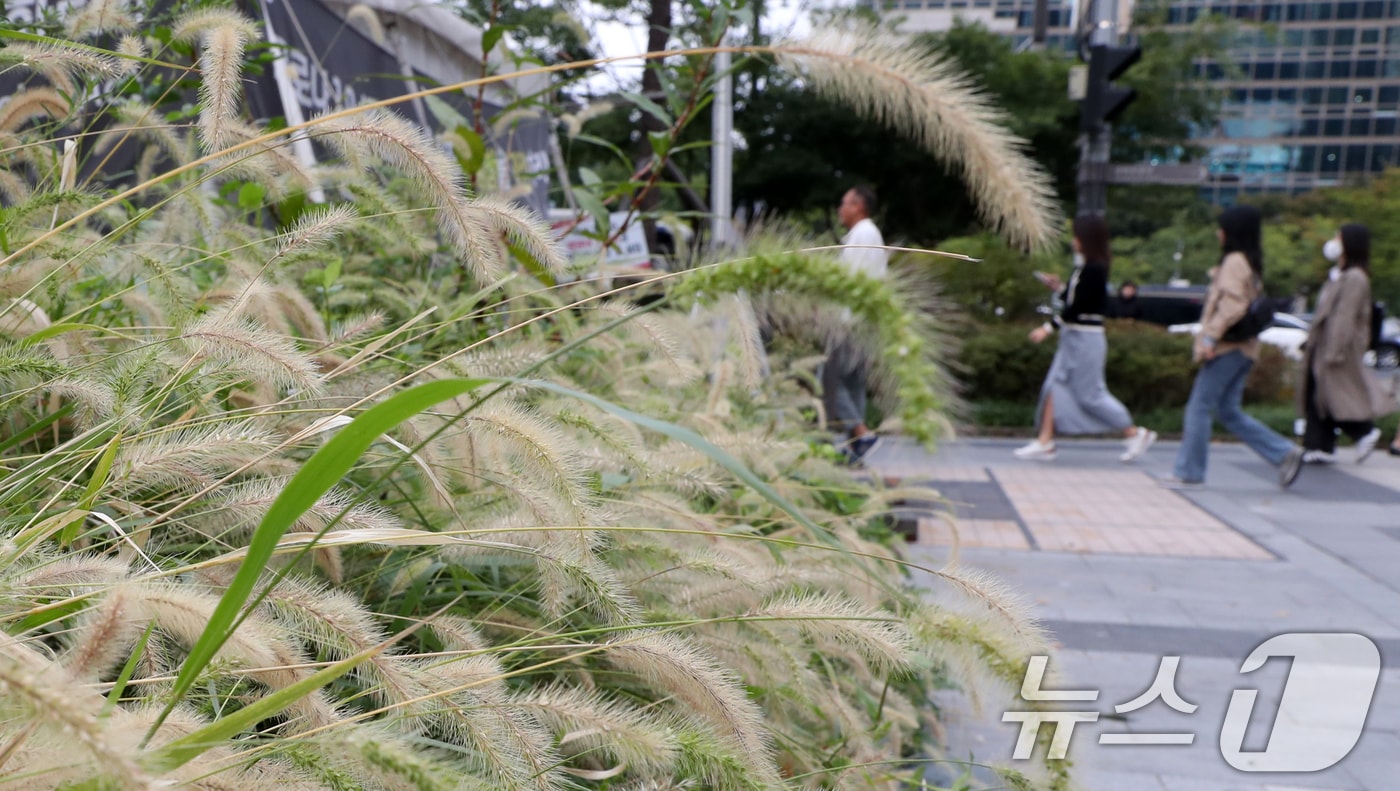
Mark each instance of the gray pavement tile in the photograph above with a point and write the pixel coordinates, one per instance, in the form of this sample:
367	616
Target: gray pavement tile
1319	483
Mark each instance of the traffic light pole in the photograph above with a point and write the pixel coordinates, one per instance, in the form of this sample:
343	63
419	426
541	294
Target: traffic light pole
1092	178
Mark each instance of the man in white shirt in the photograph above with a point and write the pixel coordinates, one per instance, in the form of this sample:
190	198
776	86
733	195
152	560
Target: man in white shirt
844	374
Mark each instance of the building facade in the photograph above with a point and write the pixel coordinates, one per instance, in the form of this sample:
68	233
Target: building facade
1311	94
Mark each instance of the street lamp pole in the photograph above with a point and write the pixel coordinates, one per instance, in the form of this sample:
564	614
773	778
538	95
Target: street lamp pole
722	155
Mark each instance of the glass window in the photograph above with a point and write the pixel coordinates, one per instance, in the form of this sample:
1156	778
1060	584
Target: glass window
1174	16
1309	127
1294	37
1359	127
1392	35
1371	36
1330	160
1264	71
1356	159
1333	127
1289	70
1392	67
1315	70
1343	37
1384	127
1262	95
1348	10
1366	68
1338	95
1312	96
1322	11
1388	96
1286	96
1318	38
1341	69
1271	12
1297	12
1362	96
1373	9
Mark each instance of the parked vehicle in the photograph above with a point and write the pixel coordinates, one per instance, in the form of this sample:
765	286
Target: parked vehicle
1287	332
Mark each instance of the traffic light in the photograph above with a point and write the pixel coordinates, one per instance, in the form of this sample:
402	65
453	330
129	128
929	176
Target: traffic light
1103	101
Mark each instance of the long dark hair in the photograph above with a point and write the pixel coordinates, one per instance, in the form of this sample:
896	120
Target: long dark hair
1242	226
1092	233
1356	246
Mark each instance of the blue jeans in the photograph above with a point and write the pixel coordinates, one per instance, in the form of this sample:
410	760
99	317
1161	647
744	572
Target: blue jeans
1216	394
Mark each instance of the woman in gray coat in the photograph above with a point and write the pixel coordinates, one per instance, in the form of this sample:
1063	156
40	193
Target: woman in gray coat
1338	392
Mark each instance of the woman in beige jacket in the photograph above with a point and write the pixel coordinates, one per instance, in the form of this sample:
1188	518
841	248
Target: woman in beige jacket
1225	363
1338	392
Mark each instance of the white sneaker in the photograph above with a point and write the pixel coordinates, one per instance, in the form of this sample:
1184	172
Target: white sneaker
1138	445
1366	444
1319	457
1036	451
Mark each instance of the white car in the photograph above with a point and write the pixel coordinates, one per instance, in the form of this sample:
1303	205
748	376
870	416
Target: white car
1287	332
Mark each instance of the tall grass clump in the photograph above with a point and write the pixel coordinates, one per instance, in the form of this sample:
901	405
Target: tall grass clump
354	497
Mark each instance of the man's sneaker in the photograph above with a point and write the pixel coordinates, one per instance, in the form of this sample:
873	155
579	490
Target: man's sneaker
1138	445
862	445
1036	451
1367	444
1173	482
1290	467
1319	457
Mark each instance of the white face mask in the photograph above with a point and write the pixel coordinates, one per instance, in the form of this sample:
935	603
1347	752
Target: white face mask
1332	250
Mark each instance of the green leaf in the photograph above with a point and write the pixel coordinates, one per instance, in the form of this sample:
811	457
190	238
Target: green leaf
592	204
660	142
474	157
589	178
94	488
532	265
54	524
185	749
621	155
649	107
250	196
54	330
445	113
491	37
331	273
323	470
128	670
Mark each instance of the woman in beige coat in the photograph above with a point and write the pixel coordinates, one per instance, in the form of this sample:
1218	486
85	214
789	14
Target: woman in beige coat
1338	392
1226	360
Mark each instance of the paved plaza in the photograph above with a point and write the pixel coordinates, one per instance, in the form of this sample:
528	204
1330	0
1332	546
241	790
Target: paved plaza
1124	573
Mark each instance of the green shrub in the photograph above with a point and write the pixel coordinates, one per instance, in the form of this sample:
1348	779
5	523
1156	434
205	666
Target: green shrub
1148	369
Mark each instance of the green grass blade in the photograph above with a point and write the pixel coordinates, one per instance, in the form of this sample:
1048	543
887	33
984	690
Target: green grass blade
323	470
128	670
186	748
94	488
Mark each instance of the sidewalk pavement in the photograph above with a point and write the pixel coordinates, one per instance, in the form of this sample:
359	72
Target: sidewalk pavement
1124	573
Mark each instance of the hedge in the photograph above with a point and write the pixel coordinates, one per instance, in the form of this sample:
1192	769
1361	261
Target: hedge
1148	369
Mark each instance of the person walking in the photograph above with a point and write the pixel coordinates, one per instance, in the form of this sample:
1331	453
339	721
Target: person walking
1337	391
1074	398
845	371
1226	358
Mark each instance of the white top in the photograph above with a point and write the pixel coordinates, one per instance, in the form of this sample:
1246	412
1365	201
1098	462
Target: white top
870	260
